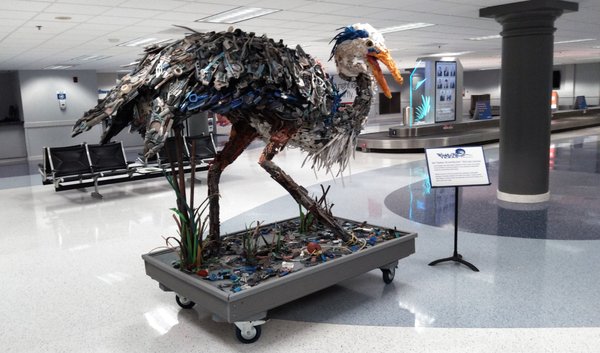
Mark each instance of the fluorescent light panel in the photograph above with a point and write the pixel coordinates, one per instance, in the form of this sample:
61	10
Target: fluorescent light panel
238	14
133	63
142	41
58	67
87	58
495	36
450	54
575	41
405	27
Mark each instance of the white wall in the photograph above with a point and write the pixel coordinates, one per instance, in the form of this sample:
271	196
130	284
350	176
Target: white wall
12	142
106	81
45	123
481	82
587	81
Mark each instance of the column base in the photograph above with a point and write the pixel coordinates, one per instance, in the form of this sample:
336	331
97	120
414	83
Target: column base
503	196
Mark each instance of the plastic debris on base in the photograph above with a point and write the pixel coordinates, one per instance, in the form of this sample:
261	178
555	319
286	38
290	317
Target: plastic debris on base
251	257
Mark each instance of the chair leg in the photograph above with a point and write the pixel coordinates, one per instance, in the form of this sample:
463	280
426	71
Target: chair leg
96	193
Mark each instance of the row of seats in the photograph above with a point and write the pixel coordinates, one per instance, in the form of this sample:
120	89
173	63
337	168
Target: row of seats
79	166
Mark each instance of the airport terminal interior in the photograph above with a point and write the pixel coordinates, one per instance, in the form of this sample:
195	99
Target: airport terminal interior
71	267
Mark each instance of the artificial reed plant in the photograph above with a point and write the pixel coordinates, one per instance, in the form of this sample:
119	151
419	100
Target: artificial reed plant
308	219
191	222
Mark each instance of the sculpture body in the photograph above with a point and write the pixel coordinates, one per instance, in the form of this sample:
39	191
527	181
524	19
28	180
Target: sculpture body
264	88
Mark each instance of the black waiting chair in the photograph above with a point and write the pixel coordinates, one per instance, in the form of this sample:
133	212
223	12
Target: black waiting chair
167	156
108	157
69	162
204	146
108	160
79	166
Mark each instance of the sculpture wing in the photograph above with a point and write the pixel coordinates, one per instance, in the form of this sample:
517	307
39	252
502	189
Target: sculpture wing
233	73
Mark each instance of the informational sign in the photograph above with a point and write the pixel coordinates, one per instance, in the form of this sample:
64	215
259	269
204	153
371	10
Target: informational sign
483	110
580	102
62	99
445	91
456	166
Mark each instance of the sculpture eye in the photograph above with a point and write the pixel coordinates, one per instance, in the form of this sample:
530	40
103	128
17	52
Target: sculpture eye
369	43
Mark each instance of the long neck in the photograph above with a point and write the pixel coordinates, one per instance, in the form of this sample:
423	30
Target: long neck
337	142
357	113
364	94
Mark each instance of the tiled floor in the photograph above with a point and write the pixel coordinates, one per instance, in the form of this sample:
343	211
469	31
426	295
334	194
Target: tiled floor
73	280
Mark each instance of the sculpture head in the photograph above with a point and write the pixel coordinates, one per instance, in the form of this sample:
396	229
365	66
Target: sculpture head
359	49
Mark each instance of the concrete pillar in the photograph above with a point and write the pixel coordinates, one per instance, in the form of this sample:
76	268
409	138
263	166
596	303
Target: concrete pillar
527	52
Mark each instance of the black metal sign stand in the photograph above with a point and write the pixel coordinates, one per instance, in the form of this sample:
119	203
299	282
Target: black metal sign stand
456	166
456	257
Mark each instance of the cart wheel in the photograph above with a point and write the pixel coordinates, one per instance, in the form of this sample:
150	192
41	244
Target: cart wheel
388	275
184	302
249	335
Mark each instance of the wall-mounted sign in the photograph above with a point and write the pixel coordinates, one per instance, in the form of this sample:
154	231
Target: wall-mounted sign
62	99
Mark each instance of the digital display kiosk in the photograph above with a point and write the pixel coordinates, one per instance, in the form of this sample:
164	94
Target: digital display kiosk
435	91
445	91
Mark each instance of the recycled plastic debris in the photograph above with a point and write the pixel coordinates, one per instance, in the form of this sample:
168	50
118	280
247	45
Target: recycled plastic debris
281	250
266	90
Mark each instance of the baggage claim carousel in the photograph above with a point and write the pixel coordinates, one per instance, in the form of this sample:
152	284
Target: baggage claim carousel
417	138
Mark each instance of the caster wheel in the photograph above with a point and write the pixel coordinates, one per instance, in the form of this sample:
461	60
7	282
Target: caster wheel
248	336
388	275
184	302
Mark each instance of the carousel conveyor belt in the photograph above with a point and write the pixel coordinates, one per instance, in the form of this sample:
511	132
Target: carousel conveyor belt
404	139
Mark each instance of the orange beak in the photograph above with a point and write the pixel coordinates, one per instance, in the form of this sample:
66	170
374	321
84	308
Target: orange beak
384	56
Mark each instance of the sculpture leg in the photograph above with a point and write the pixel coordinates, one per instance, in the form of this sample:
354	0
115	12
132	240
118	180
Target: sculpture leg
242	134
157	127
299	193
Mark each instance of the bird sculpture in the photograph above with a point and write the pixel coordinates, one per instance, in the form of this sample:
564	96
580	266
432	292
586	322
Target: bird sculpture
266	90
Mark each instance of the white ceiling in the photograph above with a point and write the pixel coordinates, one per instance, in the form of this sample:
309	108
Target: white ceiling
96	27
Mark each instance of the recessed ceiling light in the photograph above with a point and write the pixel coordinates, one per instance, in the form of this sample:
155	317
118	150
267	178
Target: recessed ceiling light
63	18
90	58
142	41
405	27
238	14
495	36
575	41
458	53
131	63
58	67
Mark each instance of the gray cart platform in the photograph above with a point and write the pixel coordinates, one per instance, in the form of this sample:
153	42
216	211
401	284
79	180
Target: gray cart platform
248	308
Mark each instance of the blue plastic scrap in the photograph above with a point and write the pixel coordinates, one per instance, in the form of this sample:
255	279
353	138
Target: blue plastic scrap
372	240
